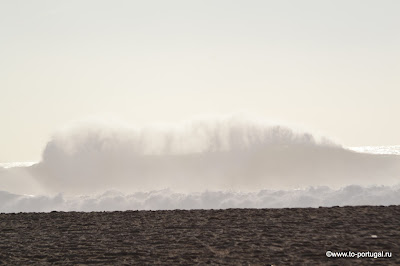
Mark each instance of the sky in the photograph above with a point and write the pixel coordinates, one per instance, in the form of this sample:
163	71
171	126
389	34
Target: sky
328	65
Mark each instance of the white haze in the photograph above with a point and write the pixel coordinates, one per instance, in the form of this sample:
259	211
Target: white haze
204	163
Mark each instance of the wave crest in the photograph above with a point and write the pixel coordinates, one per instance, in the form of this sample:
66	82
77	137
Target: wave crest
232	153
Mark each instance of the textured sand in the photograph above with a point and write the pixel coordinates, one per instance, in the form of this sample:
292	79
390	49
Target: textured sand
233	236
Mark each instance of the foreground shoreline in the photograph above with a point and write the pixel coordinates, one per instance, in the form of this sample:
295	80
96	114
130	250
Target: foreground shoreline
231	236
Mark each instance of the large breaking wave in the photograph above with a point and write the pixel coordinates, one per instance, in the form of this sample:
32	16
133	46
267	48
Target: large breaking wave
234	159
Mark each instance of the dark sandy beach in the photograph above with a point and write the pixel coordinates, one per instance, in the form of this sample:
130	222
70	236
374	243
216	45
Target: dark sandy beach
229	237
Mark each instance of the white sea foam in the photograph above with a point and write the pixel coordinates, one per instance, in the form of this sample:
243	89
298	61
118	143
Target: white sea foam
223	199
16	164
395	149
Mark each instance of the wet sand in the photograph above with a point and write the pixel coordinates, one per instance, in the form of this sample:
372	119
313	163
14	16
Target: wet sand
229	237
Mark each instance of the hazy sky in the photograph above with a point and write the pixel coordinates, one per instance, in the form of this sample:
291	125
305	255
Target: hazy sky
329	65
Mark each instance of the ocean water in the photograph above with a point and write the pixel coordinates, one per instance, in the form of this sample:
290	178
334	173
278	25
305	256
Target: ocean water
395	149
232	162
16	164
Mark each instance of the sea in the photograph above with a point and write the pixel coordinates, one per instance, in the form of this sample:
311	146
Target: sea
200	165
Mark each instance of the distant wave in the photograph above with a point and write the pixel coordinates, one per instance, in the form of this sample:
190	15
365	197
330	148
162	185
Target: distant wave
221	155
395	149
222	199
231	153
16	164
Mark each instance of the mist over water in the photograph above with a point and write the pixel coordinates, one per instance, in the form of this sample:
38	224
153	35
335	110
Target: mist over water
203	163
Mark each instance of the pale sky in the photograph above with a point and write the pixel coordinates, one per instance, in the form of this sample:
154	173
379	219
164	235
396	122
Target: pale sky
333	66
